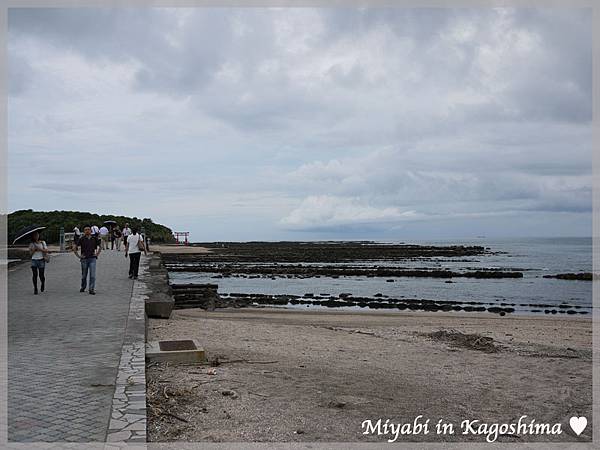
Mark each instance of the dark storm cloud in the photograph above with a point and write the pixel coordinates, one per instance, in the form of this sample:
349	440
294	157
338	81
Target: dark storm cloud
118	33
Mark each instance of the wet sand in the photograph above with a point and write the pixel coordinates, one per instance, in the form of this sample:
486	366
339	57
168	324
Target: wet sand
288	375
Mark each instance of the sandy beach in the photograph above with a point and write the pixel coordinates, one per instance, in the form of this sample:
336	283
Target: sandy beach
283	375
179	249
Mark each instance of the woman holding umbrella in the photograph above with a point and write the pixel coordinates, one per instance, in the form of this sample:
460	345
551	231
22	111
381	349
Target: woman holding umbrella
39	251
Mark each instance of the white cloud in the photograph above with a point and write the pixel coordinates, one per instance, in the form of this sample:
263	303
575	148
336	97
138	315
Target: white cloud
326	211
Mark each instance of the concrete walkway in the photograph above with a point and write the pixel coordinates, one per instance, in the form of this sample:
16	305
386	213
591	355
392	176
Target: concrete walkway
64	349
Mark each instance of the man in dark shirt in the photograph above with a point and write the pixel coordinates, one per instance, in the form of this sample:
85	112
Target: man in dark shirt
115	238
89	254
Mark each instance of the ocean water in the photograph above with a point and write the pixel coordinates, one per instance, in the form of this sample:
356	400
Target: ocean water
535	257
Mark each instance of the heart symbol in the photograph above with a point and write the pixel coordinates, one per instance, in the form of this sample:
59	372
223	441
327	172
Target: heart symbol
578	424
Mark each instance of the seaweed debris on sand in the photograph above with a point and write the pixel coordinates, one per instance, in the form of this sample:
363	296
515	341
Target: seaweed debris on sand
459	339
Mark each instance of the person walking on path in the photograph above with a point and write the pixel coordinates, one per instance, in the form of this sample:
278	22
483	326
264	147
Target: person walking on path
95	230
125	233
90	249
39	251
134	247
104	237
115	238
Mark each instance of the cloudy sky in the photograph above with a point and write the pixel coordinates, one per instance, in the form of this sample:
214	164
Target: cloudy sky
301	124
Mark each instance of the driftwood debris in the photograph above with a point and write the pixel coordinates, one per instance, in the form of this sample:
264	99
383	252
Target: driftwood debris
247	361
169	414
260	395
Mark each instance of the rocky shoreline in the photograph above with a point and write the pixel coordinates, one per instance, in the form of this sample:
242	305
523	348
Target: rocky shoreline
325	252
585	276
335	260
205	296
303	271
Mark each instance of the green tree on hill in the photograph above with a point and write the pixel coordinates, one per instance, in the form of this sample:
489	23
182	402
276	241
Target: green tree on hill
53	220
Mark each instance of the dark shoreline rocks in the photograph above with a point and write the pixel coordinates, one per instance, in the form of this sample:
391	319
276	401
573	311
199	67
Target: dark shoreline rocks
327	251
587	276
225	270
205	296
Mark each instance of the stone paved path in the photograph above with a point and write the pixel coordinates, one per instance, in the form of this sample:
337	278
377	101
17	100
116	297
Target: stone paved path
64	349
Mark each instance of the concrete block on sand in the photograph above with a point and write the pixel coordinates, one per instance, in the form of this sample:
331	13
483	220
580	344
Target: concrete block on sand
181	351
159	306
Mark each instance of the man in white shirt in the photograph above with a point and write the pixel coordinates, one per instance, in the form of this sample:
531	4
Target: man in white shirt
125	233
104	237
132	247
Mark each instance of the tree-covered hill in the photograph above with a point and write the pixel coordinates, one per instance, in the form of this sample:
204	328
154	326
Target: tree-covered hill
53	220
